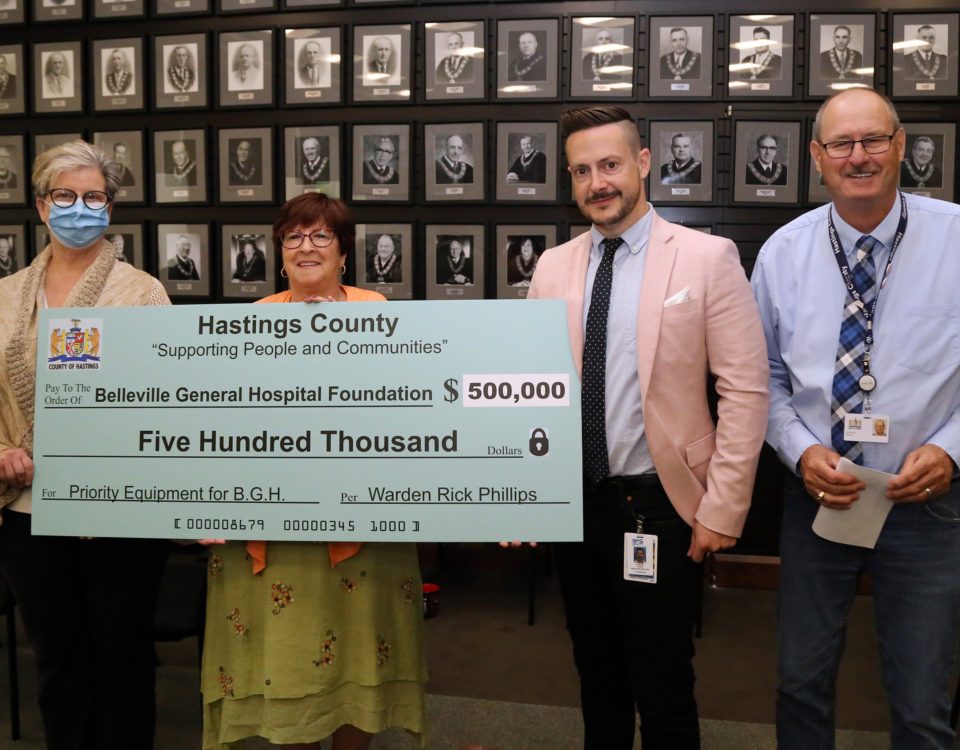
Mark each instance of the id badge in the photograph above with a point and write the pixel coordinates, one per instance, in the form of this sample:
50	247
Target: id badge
640	557
866	428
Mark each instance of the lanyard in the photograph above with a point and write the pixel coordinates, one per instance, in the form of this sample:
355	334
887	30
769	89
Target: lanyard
867	382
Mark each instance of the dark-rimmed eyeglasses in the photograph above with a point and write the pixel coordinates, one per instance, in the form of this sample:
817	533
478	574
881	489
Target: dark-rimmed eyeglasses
293	240
95	200
875	144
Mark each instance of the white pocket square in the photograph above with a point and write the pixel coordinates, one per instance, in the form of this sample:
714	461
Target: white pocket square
682	296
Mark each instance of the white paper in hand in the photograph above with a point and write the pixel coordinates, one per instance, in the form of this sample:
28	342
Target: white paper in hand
861	524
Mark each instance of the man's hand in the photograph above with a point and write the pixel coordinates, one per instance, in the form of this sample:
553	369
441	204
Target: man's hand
826	485
704	540
515	543
925	474
16	467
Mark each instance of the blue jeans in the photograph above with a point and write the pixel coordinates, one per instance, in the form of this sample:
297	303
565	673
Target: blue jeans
915	569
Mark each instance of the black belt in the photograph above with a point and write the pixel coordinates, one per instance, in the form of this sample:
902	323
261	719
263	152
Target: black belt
635	481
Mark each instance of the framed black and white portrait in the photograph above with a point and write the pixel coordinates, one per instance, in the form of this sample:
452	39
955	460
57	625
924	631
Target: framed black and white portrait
247	261
816	190
13	249
760	56
526	161
181	7
41	238
575	230
311	160
125	147
246	68
246	6
681	168
45	141
12	12
519	247
12	80
528	58
127	241
923	59
384	259
841	53
180	71
119	9
13	177
312	67
456	62
180	166
57	77
382	63
57	10
183	259
927	166
246	165
455	254
766	162
453	161
602	58
118	74
381	162
681	56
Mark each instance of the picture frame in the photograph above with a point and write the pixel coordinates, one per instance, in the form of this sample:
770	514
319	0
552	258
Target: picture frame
519	247
13	249
180	71
453	163
379	173
455	260
126	148
127	240
575	230
13	80
681	65
841	52
311	161
382	63
766	162
760	56
245	165
602	57
181	7
246	68
816	190
456	66
928	163
312	66
528	58
246	6
103	9
682	163
919	35
180	166
45	11
384	259
14	178
58	75
247	261
41	238
44	141
526	161
12	12
183	259
118	80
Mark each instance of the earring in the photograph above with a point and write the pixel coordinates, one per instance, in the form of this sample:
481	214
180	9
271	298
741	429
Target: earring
283	272
343	269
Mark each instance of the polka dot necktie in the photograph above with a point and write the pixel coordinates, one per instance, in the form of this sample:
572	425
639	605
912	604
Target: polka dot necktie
593	411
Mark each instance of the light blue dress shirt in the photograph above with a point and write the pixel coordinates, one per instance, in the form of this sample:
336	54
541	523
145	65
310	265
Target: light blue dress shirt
916	355
626	441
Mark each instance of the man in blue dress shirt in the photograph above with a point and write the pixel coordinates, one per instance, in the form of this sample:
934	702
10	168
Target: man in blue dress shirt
860	310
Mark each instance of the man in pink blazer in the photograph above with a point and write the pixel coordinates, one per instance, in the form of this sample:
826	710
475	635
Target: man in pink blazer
652	310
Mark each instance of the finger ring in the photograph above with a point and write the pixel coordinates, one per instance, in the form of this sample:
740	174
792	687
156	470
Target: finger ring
820	495
929	493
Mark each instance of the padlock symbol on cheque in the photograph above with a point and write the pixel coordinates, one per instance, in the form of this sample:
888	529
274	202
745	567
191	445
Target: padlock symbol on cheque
539	443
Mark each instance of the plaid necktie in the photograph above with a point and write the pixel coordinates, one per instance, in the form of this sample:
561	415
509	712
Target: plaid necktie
593	404
847	396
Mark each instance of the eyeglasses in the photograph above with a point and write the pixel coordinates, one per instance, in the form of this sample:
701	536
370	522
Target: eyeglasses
875	144
384	150
293	240
95	200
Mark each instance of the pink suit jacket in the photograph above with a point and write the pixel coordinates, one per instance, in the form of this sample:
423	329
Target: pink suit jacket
707	470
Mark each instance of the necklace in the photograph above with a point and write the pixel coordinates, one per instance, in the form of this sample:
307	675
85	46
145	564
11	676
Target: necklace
760	67
181	78
525	160
920	177
847	66
520	69
678	172
597	62
185	266
456	173
454	71
930	72
382	268
526	269
244	174
381	175
181	173
118	82
3	84
778	168
312	170
6	265
680	71
7	178
456	266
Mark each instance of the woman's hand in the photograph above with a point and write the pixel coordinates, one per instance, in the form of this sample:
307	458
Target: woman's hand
16	467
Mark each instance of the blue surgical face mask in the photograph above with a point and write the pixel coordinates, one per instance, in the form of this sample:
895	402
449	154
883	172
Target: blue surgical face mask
77	227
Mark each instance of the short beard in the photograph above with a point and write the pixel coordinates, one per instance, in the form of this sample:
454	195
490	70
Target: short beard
628	201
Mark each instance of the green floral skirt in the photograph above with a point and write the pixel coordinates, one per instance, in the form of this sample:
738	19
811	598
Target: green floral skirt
302	649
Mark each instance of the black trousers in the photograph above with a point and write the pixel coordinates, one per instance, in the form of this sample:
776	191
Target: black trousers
87	606
632	642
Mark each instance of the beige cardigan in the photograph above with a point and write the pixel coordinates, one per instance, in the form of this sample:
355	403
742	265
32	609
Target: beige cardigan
106	283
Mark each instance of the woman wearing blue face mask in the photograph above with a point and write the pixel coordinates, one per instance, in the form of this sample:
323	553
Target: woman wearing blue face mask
87	604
